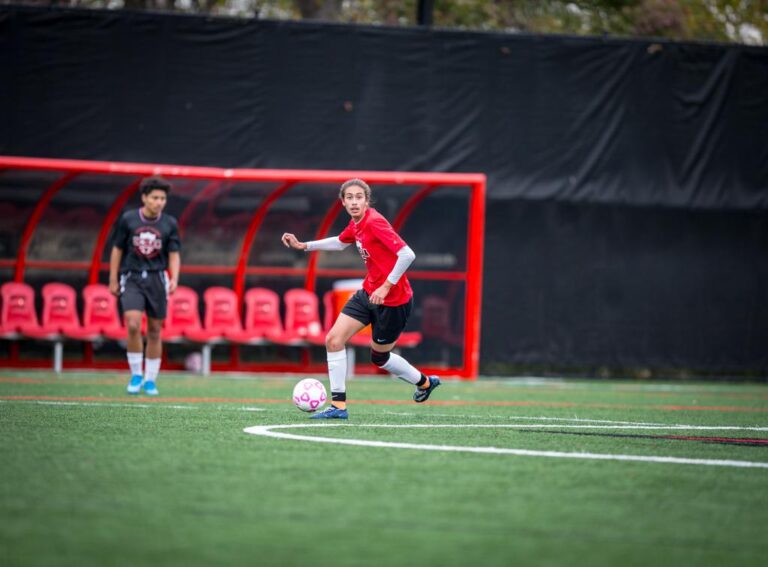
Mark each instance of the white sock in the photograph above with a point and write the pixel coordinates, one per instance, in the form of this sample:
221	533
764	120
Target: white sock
153	367
401	368
337	371
136	362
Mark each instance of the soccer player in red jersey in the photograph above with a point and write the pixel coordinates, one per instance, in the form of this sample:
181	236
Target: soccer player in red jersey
385	302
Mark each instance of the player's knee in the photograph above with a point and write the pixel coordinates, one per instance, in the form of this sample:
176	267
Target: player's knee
333	343
153	332
379	358
133	325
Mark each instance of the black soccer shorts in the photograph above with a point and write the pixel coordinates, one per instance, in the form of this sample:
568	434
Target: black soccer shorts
145	291
386	322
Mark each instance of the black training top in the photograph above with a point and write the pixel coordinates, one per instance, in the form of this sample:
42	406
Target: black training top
145	242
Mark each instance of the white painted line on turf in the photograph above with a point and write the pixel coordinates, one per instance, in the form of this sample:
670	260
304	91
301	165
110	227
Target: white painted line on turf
613	424
524	417
585	426
127	405
107	404
267	431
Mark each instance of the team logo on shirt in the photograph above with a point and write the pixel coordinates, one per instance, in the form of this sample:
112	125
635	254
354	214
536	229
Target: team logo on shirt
363	252
147	241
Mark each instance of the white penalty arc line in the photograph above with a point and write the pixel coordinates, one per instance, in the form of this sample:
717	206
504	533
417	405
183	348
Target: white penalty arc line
267	431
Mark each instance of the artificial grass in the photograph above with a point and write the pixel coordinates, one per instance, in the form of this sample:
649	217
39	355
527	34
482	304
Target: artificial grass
89	476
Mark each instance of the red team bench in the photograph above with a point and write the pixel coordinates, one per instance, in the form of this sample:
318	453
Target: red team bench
222	323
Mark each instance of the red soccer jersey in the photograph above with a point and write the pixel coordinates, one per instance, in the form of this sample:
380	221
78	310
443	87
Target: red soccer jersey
378	244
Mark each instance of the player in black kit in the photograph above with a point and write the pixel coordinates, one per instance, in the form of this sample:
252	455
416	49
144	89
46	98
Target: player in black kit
145	244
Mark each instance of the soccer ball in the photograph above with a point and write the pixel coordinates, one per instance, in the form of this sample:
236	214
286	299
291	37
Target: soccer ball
194	362
309	394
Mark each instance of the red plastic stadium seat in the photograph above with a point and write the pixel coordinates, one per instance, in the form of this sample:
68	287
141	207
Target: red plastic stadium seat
436	320
221	315
302	318
100	316
18	315
362	338
183	314
406	339
262	318
59	313
329	310
329	317
409	339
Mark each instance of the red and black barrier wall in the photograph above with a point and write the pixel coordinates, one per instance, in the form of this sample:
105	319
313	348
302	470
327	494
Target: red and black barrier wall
627	179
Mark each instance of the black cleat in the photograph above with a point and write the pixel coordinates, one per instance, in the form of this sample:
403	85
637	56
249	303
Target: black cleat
422	394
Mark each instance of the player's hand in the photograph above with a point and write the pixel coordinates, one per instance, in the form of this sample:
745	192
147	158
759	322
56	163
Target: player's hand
172	285
377	297
292	242
114	288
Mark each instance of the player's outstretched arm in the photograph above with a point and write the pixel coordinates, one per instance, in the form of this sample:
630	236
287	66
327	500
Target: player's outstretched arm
291	241
326	244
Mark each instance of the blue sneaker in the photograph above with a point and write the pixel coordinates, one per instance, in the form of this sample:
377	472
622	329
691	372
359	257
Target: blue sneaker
422	394
331	412
150	388
134	386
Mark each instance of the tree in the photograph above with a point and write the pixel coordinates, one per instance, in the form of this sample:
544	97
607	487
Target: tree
328	10
744	21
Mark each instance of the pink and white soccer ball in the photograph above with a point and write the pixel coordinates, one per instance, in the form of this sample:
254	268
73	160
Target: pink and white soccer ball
194	362
309	394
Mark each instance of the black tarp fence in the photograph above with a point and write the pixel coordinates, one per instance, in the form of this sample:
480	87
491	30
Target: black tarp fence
627	179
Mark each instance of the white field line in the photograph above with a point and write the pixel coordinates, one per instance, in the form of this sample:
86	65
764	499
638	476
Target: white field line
575	421
614	424
526	417
128	405
637	427
267	431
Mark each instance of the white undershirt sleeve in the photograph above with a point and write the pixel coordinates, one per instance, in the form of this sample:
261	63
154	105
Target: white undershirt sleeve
405	256
331	244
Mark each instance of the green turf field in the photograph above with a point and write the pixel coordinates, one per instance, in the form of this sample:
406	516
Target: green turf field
89	476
